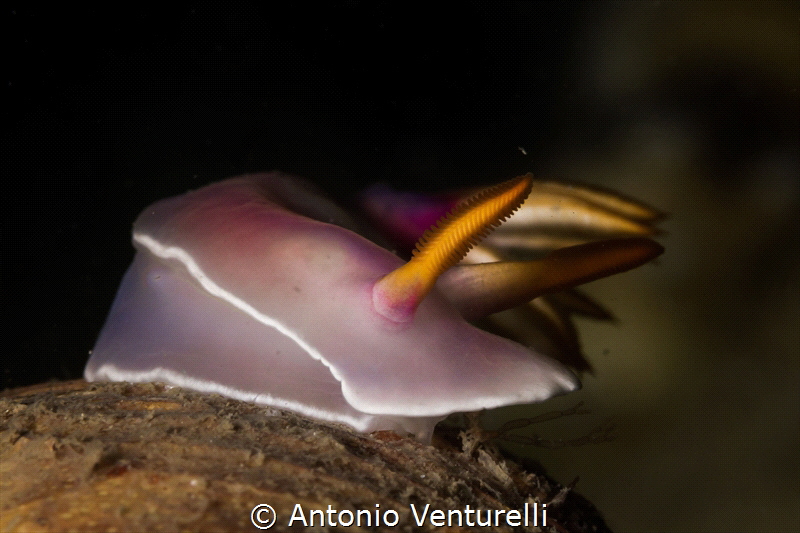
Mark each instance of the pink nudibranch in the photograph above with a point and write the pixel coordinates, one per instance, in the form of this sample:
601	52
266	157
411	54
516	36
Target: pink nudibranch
259	289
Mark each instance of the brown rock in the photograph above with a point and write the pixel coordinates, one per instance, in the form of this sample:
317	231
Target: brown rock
140	457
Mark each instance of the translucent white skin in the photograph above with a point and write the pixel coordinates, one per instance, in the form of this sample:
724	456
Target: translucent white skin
233	292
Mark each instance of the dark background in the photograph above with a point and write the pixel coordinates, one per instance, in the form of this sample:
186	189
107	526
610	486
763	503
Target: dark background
689	106
109	110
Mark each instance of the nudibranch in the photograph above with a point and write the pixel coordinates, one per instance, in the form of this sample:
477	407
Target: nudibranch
259	289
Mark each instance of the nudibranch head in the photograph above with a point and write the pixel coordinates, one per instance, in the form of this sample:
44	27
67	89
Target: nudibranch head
258	289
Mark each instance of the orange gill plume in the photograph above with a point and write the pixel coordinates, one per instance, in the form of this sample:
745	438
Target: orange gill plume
398	294
559	216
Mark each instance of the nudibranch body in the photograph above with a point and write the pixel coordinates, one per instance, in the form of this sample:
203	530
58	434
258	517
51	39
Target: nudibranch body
258	289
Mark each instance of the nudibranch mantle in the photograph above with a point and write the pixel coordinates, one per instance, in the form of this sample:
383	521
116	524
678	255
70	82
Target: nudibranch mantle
258	289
